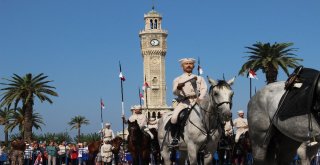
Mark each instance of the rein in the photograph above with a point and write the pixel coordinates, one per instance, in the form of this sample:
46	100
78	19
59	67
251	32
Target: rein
211	129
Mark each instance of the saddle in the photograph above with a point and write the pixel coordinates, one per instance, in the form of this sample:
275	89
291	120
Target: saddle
182	120
303	87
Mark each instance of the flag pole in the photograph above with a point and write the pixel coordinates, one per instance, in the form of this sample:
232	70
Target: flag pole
122	104
146	90
101	118
250	87
198	66
139	97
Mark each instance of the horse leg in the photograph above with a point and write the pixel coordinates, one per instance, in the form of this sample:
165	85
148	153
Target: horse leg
263	155
165	153
183	156
145	157
192	153
207	158
307	153
287	150
135	158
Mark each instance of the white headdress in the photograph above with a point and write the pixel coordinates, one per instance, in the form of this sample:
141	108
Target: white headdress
187	60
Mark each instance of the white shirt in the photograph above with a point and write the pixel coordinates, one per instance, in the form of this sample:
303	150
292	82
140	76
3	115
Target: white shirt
108	133
141	119
188	90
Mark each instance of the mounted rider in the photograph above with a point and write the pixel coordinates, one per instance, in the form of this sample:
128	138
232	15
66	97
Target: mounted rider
189	88
241	124
140	118
108	132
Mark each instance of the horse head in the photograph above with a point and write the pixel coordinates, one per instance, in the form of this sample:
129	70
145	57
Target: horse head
134	130
116	143
221	94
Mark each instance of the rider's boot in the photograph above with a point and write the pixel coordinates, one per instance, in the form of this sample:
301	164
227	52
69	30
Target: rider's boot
174	134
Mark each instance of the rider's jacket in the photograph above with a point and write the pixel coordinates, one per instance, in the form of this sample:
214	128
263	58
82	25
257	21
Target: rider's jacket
106	152
190	91
241	124
141	119
108	133
188	95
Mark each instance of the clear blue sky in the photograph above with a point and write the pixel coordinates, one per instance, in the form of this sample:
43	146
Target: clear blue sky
78	44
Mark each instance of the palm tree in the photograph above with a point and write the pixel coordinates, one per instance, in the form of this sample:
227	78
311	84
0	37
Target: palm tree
76	123
5	116
269	57
25	89
18	120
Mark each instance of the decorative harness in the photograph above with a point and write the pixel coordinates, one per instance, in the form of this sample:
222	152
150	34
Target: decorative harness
211	127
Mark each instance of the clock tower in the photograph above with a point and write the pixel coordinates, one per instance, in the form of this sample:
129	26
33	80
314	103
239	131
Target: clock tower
153	43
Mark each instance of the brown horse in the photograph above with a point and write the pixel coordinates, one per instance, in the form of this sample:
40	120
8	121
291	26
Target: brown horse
94	149
242	149
116	143
95	146
138	144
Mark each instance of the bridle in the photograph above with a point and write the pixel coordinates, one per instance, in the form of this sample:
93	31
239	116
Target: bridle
217	105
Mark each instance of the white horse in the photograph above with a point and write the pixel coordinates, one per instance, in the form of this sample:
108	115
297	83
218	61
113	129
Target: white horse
203	127
287	137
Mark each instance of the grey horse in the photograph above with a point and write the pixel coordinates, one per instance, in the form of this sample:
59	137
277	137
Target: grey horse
286	136
203	127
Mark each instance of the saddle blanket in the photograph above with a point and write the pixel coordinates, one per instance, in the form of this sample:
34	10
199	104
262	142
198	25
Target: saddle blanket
300	99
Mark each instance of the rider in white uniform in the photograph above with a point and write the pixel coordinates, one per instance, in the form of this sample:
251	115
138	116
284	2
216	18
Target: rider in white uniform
108	132
141	119
241	124
189	88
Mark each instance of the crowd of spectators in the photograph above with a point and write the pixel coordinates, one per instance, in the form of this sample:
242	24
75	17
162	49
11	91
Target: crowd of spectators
48	153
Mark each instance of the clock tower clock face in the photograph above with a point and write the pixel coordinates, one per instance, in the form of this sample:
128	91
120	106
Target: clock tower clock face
154	42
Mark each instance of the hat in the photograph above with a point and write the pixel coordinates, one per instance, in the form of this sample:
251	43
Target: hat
187	60
107	124
136	107
106	139
240	111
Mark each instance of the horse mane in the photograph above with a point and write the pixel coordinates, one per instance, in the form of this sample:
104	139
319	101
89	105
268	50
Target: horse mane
134	124
220	84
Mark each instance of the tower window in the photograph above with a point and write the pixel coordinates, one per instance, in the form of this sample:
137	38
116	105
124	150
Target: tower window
151	24
155	80
155	23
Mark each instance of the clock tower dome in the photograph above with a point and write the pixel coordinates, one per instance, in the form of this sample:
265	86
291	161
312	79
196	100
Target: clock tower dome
153	43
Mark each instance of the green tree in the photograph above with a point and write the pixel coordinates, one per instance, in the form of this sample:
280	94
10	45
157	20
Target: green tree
77	122
18	120
25	89
57	137
92	137
269	57
5	116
